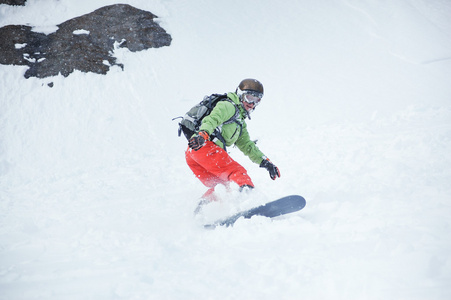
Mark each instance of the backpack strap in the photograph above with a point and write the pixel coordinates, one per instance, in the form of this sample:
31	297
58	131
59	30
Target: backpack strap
234	119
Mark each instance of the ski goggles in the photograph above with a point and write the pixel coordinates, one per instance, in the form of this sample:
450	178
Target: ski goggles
252	97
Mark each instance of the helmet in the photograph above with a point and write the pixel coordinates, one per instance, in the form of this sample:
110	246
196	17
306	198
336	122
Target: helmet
250	92
252	85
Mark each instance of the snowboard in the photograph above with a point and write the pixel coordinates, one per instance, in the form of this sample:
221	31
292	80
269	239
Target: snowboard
271	209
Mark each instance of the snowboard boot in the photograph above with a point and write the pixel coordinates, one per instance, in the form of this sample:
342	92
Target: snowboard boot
245	188
207	197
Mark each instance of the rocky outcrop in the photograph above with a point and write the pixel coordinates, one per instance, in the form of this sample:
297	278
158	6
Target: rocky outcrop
13	2
84	43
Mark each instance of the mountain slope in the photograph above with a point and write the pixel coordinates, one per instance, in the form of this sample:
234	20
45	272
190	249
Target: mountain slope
96	200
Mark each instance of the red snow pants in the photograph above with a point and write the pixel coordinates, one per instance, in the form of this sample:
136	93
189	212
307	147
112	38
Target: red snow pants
212	165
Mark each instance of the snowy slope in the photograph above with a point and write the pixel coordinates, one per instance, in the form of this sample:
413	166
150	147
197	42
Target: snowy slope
96	200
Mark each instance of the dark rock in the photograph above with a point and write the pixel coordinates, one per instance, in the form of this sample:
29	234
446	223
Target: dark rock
84	43
13	2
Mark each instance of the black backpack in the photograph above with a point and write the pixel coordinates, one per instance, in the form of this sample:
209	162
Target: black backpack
192	120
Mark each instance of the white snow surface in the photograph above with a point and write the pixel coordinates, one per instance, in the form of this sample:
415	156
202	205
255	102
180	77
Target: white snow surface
96	200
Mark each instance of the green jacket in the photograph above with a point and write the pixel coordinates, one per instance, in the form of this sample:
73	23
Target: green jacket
232	133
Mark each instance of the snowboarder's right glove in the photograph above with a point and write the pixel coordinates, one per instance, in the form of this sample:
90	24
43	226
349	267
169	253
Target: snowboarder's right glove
199	140
272	169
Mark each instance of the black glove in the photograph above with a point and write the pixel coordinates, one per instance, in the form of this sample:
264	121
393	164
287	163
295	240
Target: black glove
199	140
272	169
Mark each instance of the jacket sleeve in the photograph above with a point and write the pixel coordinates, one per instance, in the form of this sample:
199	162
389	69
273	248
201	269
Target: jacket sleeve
248	147
222	112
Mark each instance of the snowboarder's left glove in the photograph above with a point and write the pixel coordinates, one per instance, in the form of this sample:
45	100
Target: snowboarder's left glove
199	140
272	169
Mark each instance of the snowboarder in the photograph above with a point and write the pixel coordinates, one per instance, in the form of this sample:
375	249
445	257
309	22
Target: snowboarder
206	156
